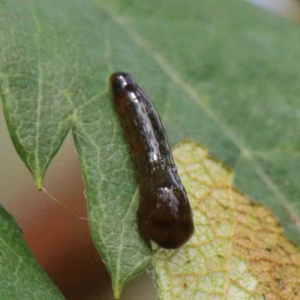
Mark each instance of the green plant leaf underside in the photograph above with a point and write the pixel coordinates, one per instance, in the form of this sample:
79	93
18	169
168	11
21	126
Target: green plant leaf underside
20	275
220	72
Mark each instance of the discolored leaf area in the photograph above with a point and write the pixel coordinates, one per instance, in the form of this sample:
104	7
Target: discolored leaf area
20	275
220	72
238	250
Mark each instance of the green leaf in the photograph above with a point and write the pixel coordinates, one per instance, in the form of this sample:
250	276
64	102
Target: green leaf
220	72
20	275
112	193
52	80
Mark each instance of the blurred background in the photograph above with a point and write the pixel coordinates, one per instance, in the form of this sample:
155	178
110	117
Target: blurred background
287	8
53	221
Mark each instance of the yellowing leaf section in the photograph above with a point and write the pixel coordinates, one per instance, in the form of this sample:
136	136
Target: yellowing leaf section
238	250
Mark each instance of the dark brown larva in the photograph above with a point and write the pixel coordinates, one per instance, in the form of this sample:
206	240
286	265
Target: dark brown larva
164	213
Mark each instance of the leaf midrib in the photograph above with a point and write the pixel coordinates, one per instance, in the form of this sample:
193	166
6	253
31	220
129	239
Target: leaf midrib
37	175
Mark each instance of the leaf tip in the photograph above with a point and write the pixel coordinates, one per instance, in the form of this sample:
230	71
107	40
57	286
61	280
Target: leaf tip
117	288
117	293
38	183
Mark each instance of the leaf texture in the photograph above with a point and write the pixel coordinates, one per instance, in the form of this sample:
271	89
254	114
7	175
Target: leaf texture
238	250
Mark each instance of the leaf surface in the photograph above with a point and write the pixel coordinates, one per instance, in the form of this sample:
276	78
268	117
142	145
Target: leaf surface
20	275
238	250
220	72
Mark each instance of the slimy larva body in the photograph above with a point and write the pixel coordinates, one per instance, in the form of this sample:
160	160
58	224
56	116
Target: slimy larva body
164	213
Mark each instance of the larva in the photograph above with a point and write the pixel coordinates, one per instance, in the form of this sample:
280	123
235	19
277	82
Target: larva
164	214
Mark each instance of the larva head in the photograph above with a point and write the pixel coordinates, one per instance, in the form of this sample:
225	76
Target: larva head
119	82
165	216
